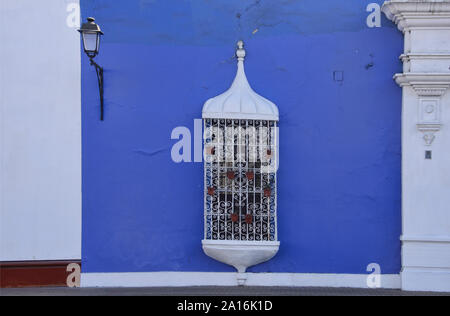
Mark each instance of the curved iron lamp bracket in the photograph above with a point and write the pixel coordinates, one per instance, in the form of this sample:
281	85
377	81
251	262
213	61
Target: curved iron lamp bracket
99	71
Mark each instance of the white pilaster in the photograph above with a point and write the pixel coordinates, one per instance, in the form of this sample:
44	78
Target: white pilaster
40	127
426	141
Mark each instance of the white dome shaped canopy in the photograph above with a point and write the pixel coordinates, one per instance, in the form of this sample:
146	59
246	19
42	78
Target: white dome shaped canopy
240	101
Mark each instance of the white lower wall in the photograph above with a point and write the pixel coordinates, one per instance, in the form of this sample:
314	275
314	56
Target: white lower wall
40	141
178	279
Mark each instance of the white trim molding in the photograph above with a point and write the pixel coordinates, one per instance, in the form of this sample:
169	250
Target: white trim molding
425	82
179	279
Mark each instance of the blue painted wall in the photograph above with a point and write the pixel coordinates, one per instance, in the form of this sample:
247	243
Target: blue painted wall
339	178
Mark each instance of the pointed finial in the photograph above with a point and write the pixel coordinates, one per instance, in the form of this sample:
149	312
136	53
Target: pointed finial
240	52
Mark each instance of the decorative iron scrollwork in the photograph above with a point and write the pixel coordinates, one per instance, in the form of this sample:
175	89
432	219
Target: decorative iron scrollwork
240	180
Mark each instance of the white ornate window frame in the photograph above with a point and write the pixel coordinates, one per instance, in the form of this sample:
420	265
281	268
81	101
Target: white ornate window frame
240	170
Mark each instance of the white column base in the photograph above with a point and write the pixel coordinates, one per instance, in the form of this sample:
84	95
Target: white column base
426	279
426	263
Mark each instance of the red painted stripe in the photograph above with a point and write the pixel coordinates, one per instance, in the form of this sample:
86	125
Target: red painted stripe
34	273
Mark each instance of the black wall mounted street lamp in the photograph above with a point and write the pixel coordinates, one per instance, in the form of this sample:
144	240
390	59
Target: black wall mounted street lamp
91	34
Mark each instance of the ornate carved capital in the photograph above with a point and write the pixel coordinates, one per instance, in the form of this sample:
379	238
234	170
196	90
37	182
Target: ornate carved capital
425	84
430	88
408	14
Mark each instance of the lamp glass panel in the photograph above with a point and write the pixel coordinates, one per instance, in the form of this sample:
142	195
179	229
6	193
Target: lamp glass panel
90	42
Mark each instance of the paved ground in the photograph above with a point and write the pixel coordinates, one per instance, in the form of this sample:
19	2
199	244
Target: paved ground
210	291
